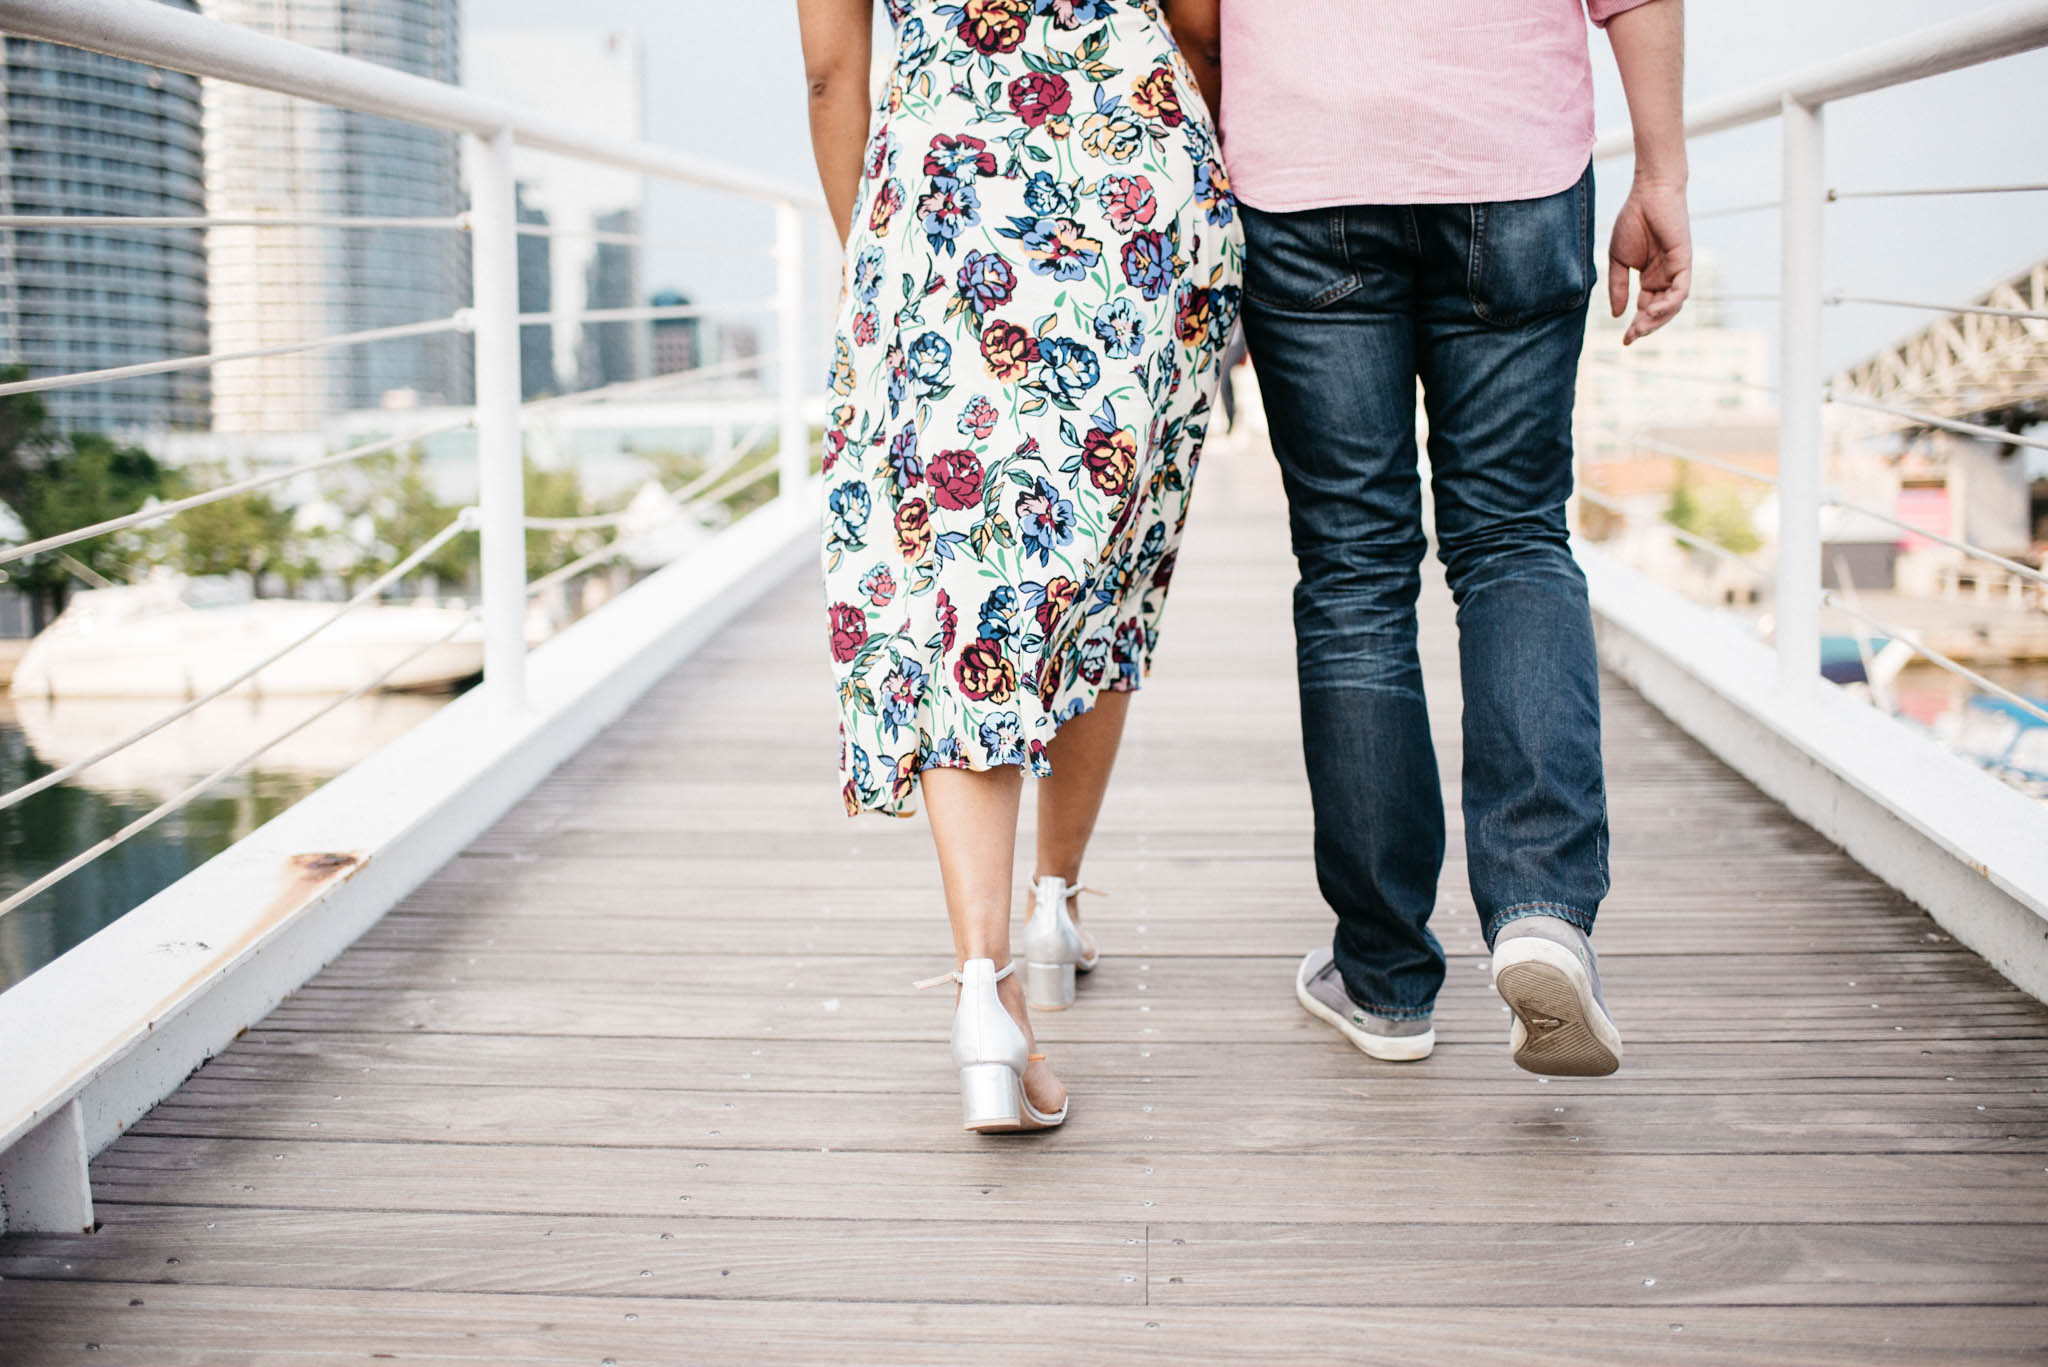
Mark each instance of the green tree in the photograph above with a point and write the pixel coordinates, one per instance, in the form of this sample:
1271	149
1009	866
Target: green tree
1716	513
389	504
87	479
250	533
558	493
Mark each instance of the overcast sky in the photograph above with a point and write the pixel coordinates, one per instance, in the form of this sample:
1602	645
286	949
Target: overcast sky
725	83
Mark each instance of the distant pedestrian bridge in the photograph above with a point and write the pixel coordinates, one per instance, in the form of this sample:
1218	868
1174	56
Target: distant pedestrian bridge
560	1029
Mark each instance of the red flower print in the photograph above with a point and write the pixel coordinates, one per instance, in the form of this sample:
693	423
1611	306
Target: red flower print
984	673
994	26
1060	593
1007	350
1039	95
835	446
1197	308
956	479
887	201
962	158
1157	97
903	778
849	631
914	529
866	327
1111	458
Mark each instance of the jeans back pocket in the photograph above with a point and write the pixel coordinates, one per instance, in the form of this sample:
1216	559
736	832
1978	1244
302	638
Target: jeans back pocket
1296	260
1532	258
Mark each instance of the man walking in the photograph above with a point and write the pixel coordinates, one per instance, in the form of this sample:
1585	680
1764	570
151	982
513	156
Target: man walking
1419	206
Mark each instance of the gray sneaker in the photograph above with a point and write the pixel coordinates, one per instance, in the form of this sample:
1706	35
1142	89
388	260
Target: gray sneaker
1544	969
1320	989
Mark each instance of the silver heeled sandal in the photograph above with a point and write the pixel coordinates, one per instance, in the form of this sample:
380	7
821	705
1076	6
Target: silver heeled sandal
1054	951
990	1050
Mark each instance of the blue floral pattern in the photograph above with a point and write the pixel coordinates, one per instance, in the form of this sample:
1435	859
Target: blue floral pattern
1042	276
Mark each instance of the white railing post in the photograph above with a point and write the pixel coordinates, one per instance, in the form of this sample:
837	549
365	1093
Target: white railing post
501	485
1797	610
793	450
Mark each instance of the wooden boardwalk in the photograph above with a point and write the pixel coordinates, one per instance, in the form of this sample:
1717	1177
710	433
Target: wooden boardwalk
639	1079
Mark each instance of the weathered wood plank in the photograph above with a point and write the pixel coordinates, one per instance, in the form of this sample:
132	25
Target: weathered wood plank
1127	1113
188	1326
1556	1182
1316	1264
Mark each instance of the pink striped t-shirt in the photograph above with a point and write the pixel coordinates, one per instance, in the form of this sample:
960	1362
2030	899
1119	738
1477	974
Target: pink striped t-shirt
1398	102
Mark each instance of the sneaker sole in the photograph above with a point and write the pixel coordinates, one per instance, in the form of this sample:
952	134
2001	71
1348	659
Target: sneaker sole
1560	1029
1399	1049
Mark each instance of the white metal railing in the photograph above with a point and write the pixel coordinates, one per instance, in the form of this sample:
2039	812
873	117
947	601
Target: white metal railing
1799	103
158	35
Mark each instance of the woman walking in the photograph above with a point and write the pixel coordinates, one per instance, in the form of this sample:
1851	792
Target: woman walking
1043	259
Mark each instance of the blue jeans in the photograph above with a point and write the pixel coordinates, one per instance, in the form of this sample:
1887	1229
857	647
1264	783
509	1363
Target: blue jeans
1345	309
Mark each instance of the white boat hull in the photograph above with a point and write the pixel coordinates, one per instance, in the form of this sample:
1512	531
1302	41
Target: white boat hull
186	652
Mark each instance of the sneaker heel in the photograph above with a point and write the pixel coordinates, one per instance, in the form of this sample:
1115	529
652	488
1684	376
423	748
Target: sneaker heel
1048	987
990	1096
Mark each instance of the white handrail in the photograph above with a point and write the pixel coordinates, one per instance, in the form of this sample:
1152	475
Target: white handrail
2000	31
159	35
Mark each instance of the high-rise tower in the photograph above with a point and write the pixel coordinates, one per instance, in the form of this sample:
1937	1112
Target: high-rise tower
94	135
271	154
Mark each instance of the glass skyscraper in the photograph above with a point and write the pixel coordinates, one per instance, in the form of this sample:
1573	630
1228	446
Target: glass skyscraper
93	135
270	154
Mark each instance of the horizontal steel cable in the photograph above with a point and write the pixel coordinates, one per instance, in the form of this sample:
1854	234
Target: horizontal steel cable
249	485
1693	539
459	321
1732	210
619	545
1986	310
1934	656
626	388
466	522
1967	548
1914	193
1696	458
110	221
1687	377
378	447
683	244
679	497
1968	429
228	770
639	313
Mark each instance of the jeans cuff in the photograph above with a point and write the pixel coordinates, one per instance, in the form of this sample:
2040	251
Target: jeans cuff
1570	915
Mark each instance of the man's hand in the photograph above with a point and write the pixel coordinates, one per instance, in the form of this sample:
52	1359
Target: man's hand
1653	238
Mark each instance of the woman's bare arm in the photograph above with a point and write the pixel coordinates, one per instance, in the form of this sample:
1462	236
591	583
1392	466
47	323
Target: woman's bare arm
1198	28
837	35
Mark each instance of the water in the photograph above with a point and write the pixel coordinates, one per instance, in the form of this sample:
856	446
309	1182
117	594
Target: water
1942	703
38	735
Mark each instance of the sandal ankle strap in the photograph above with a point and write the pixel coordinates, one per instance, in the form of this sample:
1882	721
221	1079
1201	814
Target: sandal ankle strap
954	977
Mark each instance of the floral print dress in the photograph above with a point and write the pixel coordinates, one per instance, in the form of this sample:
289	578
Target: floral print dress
1041	279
